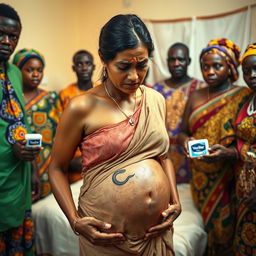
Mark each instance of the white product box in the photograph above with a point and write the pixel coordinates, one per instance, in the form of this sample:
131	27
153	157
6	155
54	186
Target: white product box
33	140
198	148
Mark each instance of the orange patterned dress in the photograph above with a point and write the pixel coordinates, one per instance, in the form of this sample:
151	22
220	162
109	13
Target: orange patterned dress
43	113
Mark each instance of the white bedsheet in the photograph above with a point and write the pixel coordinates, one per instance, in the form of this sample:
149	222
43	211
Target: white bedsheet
54	235
189	235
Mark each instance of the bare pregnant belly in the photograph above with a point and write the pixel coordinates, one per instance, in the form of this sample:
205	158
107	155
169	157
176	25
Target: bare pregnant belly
133	198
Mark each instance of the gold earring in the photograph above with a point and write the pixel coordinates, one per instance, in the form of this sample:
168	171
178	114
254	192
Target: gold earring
104	74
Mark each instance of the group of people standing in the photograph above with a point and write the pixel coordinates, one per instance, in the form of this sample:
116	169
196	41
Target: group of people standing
223	183
117	139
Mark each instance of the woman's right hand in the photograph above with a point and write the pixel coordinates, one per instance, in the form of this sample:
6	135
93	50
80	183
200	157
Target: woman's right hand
24	153
93	229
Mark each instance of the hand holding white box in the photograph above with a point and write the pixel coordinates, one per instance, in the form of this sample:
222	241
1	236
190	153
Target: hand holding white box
33	140
198	148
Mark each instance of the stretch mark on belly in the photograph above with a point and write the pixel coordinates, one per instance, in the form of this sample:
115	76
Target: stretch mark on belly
120	183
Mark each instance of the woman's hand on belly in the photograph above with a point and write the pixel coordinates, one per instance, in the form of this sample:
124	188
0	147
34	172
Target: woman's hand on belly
93	229
169	215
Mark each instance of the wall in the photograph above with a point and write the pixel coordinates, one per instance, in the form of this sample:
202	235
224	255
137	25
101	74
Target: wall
58	28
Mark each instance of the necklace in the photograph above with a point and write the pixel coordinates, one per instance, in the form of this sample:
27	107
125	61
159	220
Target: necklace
250	109
130	118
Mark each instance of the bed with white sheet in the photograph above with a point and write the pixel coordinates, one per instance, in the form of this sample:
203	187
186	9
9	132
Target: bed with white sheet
55	237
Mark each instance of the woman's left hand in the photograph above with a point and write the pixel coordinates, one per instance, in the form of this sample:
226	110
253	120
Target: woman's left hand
218	152
169	215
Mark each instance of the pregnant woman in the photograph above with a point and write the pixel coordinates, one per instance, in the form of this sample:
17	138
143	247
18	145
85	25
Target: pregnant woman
128	200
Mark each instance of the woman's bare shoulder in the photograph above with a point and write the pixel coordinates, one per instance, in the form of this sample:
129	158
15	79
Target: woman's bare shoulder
197	97
84	103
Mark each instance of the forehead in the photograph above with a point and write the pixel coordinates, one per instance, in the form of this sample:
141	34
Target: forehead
140	52
213	58
33	61
83	57
249	61
9	25
177	51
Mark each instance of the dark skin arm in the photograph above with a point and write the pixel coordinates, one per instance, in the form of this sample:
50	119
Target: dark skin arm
62	154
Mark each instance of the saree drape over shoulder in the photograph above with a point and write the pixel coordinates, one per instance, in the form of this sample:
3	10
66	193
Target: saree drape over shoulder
113	148
212	183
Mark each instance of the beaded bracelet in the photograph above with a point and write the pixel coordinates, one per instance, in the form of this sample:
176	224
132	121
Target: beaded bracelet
74	227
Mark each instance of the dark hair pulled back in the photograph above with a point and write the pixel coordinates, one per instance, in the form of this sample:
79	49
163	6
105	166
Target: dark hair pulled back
123	32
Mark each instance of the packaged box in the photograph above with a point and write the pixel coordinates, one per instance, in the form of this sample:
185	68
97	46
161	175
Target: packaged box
198	148
33	140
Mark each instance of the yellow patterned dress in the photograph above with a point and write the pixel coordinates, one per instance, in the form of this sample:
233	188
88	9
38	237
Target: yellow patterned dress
43	113
245	239
212	183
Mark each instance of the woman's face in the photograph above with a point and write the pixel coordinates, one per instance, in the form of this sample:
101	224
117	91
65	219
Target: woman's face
32	73
128	69
249	71
215	69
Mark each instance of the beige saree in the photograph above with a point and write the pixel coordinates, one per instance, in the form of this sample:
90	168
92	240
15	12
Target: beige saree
116	147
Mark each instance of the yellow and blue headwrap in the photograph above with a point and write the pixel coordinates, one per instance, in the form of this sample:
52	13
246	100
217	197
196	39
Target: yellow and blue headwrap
250	50
23	55
227	49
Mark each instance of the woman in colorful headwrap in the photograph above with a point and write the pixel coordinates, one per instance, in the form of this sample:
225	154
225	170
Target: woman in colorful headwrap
245	238
210	114
43	110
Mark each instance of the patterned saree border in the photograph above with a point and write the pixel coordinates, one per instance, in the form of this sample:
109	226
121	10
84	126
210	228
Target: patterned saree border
213	199
203	112
35	100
